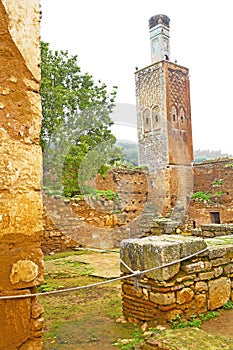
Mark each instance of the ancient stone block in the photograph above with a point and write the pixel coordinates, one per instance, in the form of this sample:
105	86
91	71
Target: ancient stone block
23	270
189	245
201	286
145	294
185	295
37	310
219	292
163	298
37	324
19	213
228	269
208	265
220	261
186	278
130	290
22	267
15	321
151	252
218	271
216	252
194	267
200	300
206	275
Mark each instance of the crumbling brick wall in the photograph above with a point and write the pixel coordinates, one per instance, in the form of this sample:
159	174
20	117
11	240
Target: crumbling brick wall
214	177
21	259
99	223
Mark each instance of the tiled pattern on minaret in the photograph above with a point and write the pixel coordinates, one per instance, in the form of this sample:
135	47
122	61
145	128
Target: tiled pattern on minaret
151	112
179	115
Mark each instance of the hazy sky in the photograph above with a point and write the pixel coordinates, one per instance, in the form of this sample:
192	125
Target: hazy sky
111	38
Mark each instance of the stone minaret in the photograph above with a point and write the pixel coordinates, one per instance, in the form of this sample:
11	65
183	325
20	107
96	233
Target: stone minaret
164	121
159	38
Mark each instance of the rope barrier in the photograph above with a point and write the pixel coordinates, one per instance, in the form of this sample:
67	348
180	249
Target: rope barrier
137	274
166	265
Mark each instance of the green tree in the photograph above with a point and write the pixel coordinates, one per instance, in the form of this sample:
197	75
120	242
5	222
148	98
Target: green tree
75	122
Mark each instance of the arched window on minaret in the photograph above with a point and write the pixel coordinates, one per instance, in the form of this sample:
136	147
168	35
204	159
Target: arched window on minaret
155	117
174	117
146	120
182	118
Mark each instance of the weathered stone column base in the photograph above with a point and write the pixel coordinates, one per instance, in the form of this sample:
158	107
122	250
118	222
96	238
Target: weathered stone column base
191	287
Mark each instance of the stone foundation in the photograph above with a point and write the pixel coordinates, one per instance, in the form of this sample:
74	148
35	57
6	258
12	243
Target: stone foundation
197	285
21	258
213	230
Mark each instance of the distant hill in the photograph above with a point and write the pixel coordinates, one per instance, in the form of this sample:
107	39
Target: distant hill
201	155
130	149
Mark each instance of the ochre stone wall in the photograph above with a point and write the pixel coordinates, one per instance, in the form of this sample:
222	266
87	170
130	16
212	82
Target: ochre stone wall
186	288
98	223
21	259
214	177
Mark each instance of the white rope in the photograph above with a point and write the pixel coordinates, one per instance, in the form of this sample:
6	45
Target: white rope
136	274
166	265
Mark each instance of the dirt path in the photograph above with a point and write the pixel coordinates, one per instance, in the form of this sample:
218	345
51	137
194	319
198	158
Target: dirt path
222	325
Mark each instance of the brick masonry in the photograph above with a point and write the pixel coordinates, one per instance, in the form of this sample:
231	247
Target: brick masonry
214	177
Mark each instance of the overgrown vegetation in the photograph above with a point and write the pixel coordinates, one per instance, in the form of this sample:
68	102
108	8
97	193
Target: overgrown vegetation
137	338
217	183
228	305
195	321
202	196
98	194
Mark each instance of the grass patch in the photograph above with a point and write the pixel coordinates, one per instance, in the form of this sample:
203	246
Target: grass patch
61	255
137	338
228	305
194	321
60	309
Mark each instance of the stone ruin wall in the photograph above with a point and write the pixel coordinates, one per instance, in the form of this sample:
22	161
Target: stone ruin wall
205	174
192	287
213	230
21	259
90	222
98	223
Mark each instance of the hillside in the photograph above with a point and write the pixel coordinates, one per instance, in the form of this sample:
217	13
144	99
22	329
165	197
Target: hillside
131	152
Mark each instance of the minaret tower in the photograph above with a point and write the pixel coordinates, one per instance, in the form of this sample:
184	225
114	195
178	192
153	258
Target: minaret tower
164	121
159	38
